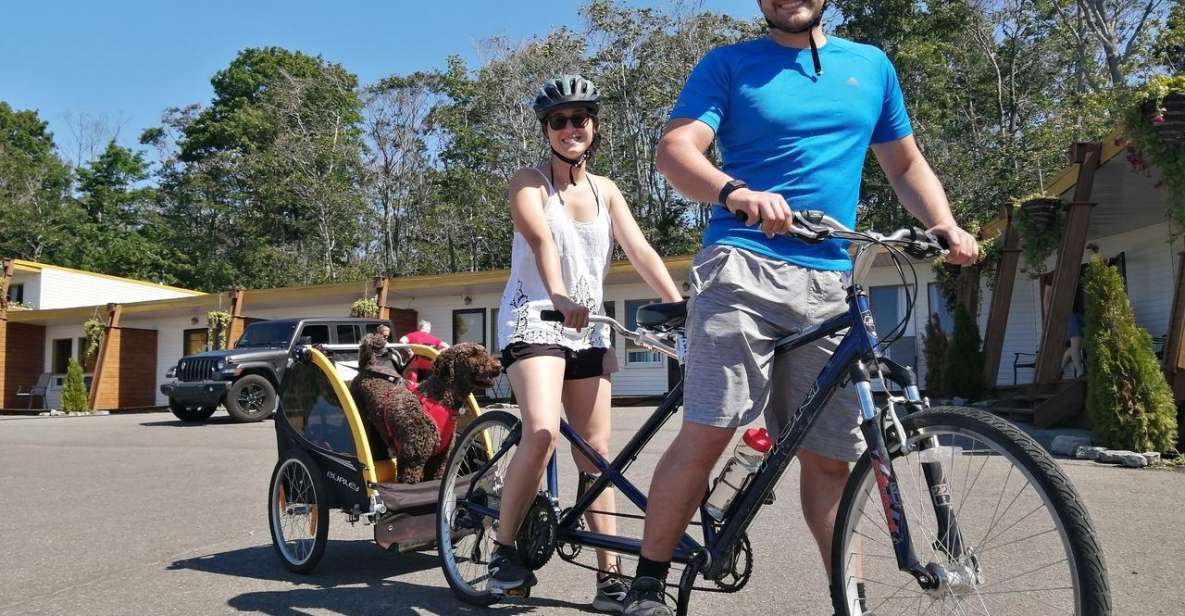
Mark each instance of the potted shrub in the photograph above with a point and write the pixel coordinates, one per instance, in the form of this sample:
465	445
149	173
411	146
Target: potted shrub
74	389
1154	124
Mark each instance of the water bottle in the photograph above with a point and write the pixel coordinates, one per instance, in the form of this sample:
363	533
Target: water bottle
746	459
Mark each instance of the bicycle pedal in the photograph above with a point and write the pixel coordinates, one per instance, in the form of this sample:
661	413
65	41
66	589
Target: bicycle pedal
522	592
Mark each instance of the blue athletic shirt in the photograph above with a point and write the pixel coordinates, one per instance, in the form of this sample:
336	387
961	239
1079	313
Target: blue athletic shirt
781	129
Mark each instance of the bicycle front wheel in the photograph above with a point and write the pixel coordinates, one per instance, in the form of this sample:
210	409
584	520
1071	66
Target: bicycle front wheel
1005	530
464	536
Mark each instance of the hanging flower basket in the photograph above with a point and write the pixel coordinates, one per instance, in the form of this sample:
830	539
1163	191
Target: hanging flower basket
367	308
1042	212
1040	220
1154	125
217	328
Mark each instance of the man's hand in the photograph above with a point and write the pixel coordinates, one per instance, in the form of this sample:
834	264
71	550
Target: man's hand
964	250
769	208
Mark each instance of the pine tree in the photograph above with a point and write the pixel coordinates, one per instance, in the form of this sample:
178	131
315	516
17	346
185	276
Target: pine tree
934	346
74	391
1127	398
963	373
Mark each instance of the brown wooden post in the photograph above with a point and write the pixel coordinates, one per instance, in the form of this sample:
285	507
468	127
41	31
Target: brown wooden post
105	377
381	284
6	269
997	324
1069	266
237	322
1173	360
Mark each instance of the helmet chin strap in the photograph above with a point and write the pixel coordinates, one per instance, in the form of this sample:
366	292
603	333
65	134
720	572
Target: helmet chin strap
579	161
809	29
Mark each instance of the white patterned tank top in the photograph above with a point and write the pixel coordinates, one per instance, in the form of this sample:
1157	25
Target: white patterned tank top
585	249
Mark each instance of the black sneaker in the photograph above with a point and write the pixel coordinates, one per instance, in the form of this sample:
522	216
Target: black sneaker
506	571
647	598
611	592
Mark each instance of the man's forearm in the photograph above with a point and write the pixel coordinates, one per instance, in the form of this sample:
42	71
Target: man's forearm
922	195
689	171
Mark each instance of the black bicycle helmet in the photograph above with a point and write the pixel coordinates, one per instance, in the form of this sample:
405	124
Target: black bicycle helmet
567	91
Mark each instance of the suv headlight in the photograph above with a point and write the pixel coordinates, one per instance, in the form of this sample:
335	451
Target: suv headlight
220	365
171	373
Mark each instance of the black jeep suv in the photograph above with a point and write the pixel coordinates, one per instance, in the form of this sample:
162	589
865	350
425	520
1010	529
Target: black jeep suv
246	377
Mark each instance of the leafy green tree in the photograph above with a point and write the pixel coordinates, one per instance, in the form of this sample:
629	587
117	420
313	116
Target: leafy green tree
1127	398
74	395
962	374
36	218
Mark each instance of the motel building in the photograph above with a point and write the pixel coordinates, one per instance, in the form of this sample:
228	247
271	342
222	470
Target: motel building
1115	214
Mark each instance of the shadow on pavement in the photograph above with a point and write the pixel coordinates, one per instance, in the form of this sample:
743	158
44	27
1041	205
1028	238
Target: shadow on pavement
216	420
354	578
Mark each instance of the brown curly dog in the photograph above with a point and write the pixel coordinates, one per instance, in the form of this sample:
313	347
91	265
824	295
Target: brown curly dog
417	420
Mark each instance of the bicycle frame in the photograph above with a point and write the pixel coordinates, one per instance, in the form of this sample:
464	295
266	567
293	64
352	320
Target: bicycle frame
851	360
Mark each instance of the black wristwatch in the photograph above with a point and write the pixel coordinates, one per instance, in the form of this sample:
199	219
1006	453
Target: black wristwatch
728	189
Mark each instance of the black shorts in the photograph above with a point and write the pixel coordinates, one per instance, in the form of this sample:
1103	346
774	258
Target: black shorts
582	364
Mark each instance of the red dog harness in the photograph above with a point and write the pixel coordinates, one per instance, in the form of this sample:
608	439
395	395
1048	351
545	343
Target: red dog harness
444	418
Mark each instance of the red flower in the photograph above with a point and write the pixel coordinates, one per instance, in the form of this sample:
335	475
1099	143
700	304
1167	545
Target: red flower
1158	118
1158	184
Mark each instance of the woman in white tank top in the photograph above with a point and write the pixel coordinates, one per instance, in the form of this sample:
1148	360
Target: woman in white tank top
565	223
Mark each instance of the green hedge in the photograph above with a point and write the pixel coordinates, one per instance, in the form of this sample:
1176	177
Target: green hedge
1127	397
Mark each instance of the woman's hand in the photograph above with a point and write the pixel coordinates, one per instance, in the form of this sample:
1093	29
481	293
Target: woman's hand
575	315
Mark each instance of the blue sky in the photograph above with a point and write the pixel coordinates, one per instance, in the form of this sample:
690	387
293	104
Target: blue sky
129	60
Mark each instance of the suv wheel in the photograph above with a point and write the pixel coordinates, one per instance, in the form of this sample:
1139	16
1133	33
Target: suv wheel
251	398
190	414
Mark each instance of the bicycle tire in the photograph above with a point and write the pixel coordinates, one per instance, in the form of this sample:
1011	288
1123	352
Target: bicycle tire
953	425
449	537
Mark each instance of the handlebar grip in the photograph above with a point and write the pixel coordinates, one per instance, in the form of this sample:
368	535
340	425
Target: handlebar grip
742	217
551	315
941	241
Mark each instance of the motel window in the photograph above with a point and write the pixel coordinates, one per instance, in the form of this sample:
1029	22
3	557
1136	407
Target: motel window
888	304
194	341
493	330
469	326
16	293
634	354
62	352
939	306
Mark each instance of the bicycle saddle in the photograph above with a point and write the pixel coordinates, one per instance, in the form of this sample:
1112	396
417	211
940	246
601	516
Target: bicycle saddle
662	316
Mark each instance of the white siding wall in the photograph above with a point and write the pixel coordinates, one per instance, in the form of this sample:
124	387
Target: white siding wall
62	289
1150	262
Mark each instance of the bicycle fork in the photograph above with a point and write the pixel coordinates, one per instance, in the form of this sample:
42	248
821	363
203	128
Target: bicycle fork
930	576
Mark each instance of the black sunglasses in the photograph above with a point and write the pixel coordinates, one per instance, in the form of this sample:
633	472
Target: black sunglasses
577	120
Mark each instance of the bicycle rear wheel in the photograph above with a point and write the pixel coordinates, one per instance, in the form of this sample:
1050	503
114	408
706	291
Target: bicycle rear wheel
466	538
1027	543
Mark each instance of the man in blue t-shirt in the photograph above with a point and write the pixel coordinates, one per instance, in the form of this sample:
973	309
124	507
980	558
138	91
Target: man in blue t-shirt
789	135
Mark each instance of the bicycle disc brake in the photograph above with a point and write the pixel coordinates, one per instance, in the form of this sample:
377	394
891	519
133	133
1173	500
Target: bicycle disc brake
738	567
537	536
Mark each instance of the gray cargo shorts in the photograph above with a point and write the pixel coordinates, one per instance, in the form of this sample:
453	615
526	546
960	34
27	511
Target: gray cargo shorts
741	304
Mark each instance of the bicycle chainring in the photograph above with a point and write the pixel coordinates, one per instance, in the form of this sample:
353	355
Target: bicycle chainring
537	536
738	567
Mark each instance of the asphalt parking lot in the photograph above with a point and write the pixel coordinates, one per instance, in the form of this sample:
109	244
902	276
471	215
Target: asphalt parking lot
139	514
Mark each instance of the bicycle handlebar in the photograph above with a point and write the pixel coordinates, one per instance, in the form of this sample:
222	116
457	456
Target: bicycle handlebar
642	337
814	226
